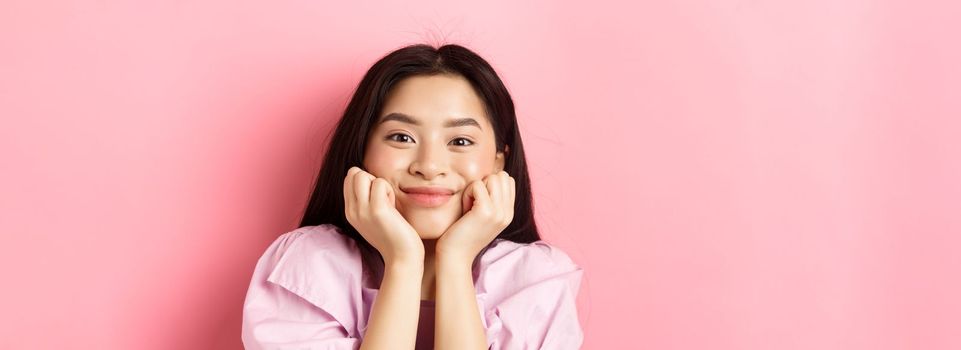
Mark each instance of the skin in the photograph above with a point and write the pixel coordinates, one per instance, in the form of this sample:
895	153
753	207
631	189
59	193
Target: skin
428	251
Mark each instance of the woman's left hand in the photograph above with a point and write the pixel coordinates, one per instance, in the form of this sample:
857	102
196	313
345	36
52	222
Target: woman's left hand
489	209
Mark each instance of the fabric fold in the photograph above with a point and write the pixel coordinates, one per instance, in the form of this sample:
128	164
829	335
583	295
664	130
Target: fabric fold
307	292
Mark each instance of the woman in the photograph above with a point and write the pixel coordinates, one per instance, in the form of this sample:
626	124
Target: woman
420	230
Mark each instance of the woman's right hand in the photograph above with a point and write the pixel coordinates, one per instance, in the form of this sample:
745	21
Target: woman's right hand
369	204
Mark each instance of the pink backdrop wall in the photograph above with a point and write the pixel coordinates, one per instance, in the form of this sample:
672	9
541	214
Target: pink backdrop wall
730	174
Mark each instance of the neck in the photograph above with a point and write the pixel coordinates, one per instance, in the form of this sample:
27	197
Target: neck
428	285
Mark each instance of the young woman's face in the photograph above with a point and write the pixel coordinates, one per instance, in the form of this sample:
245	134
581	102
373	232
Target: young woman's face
432	132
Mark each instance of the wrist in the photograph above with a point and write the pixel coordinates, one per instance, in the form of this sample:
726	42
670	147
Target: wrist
412	261
454	258
453	251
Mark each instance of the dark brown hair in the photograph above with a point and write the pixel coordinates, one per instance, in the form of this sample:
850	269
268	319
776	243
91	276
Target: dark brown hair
346	149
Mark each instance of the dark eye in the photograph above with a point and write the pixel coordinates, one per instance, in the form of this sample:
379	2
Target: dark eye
469	142
401	139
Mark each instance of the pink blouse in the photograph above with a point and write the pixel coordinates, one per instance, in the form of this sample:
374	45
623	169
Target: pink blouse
307	293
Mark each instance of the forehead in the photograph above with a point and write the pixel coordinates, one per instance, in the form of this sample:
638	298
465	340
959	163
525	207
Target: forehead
434	99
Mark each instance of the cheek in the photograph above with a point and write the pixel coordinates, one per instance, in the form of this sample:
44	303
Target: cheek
475	168
383	161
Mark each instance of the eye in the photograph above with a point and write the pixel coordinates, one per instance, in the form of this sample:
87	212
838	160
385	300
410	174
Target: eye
469	142
401	139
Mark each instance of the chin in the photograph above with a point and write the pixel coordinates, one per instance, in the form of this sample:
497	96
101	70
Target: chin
431	225
429	233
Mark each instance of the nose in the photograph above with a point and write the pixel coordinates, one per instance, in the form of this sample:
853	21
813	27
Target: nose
431	162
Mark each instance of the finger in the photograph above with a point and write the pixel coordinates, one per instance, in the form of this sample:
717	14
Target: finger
481	197
379	193
505	188
504	195
362	188
468	198
390	197
492	182
349	196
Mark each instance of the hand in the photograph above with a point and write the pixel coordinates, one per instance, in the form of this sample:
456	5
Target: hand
369	206
489	206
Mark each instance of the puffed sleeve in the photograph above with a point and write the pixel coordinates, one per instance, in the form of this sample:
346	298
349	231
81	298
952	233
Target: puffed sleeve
284	309
528	294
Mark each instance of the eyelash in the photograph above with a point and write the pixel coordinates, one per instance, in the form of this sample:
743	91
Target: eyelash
391	138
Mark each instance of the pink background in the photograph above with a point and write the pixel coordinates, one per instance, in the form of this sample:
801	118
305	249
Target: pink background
730	174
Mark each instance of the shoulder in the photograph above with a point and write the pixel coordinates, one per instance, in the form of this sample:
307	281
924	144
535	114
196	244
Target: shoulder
312	271
539	255
518	284
509	265
307	259
312	243
321	238
321	241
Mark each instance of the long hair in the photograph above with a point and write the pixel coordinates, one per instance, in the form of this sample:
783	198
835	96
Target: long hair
346	148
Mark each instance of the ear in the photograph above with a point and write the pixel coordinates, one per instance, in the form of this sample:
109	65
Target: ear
500	158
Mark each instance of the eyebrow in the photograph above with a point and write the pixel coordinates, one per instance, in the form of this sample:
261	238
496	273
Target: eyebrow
450	123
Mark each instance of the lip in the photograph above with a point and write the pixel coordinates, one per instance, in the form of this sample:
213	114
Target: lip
428	196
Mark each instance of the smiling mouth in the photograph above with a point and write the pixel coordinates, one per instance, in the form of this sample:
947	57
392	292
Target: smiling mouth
428	200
